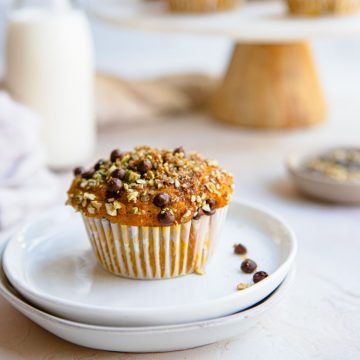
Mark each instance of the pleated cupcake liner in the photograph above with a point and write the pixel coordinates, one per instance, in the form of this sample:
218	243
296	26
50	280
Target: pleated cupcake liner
320	7
142	252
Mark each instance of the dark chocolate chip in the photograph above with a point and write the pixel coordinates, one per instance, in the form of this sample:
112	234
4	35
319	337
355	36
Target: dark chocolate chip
115	154
161	199
98	164
144	165
115	185
118	174
199	213
240	249
166	218
248	266
79	170
211	202
260	275
110	194
88	174
179	150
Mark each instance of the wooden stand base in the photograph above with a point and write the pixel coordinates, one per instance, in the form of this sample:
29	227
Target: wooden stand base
270	86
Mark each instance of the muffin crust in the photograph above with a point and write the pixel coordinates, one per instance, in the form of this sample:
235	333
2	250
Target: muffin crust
151	187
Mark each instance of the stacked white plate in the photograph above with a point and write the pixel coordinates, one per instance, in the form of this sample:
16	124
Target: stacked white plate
50	274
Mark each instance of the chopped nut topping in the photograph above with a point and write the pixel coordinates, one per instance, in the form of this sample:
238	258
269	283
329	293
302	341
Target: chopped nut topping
89	196
211	187
83	183
186	216
117	205
130	180
135	211
91	210
110	210
151	174
132	196
96	204
144	197
242	286
200	271
206	207
132	175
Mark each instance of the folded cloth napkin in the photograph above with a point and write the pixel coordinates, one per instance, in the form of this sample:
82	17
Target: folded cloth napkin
26	186
120	101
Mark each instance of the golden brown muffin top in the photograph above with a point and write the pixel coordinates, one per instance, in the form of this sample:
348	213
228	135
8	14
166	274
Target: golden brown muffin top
151	187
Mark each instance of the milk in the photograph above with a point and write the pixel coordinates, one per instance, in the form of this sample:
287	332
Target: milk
49	66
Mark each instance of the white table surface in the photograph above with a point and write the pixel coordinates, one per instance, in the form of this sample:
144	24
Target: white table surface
320	318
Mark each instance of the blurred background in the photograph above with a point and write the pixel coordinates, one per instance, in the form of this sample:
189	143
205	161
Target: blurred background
153	88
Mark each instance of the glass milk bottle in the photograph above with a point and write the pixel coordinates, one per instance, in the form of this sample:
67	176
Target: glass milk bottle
49	66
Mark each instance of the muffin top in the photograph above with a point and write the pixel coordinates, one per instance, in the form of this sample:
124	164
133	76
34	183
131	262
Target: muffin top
150	187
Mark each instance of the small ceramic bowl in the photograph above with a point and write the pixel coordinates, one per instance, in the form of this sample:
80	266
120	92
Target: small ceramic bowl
321	187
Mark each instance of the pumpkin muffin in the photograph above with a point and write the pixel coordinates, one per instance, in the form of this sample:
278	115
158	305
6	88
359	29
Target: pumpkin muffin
201	6
152	214
323	7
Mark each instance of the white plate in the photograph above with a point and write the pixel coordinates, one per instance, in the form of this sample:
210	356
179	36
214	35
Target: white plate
146	339
321	187
257	21
51	264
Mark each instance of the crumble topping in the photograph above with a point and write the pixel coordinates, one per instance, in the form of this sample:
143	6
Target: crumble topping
167	185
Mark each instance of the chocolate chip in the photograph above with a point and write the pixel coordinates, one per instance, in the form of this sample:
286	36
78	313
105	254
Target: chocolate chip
88	174
166	218
115	185
144	165
179	150
240	249
115	154
199	213
248	266
118	174
260	275
161	199
98	164
109	194
211	202
79	170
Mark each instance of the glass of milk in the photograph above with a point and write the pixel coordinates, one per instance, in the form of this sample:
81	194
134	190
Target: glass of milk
49	66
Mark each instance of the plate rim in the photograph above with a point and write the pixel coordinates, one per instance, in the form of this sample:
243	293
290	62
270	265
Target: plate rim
14	297
137	311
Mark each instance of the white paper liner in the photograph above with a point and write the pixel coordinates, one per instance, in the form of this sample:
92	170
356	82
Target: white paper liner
141	252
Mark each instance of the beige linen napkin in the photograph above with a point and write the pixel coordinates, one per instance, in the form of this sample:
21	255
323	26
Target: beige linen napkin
123	101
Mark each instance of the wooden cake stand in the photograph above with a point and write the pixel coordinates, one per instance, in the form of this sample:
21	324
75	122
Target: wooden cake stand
271	81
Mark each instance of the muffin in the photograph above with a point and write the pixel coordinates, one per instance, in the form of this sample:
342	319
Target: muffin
152	214
199	6
322	7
